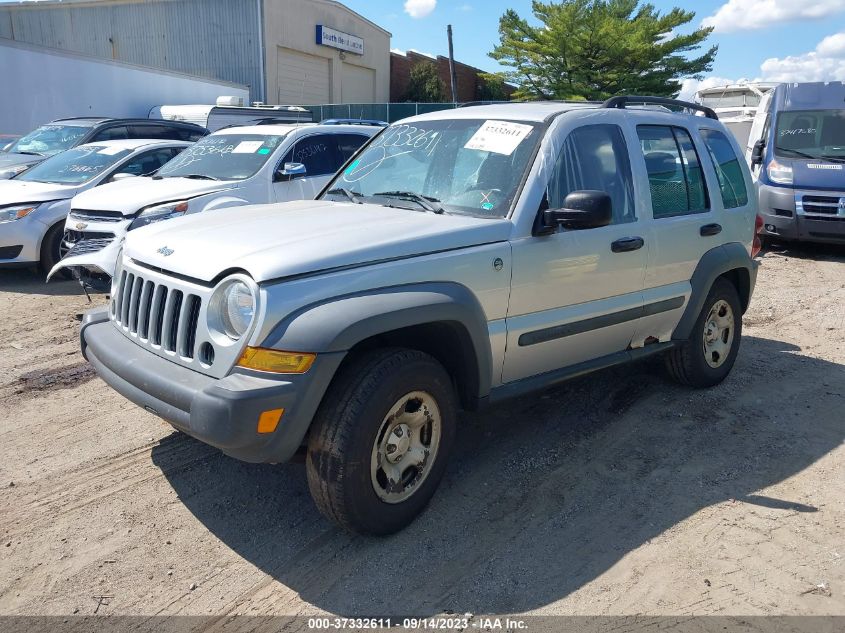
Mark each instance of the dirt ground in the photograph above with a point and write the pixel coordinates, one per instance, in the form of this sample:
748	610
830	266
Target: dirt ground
619	493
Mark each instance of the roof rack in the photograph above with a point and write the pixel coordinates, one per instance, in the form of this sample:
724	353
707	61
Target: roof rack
622	101
375	122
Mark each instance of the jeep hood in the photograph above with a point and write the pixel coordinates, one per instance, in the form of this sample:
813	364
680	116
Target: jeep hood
133	194
273	241
17	191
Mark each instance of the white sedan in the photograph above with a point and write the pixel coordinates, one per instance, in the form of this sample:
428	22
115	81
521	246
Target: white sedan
33	206
232	167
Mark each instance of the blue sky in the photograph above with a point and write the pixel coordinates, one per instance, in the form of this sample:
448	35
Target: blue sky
779	40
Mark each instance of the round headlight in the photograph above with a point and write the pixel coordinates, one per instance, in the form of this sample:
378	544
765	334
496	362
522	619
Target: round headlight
237	309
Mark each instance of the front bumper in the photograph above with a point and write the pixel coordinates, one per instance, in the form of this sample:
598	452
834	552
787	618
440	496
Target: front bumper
20	241
786	216
221	412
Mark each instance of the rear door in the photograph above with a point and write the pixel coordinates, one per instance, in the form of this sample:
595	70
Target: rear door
576	295
686	219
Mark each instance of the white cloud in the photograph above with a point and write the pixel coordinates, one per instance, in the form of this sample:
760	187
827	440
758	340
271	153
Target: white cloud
825	63
465	8
419	8
740	15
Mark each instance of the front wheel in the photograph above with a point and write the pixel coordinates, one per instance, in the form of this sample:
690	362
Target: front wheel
706	358
52	250
380	441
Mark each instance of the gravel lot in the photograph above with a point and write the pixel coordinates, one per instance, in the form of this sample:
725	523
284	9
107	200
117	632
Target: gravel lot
619	493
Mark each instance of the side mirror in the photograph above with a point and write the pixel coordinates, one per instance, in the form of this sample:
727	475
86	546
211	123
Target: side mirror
289	171
586	209
122	176
757	152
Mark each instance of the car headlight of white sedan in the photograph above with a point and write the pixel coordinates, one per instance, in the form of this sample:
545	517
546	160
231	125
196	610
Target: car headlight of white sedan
10	214
158	213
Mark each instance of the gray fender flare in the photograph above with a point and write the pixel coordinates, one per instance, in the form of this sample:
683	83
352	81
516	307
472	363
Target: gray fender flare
338	324
713	264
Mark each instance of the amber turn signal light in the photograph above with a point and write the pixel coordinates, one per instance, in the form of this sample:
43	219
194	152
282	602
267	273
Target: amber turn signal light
276	361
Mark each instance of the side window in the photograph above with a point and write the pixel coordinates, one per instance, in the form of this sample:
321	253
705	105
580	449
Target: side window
145	163
728	169
595	157
112	134
318	153
674	171
348	144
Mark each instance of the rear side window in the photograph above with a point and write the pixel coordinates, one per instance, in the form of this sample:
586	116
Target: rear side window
674	171
728	169
595	157
115	133
164	133
348	144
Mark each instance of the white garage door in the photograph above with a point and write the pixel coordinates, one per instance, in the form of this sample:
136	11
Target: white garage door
358	84
302	78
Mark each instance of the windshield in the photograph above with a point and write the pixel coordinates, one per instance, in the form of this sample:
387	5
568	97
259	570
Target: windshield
466	166
50	139
811	134
75	166
222	157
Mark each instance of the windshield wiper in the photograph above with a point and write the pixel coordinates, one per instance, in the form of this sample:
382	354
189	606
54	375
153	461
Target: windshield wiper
28	153
426	202
834	159
796	152
198	177
352	195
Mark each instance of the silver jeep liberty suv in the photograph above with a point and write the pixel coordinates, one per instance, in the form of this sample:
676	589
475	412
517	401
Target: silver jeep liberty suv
459	258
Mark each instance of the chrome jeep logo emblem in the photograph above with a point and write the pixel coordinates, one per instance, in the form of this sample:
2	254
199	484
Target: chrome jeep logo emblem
81	225
165	251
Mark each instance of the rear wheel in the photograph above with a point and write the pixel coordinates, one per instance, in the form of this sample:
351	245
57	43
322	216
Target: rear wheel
379	443
706	358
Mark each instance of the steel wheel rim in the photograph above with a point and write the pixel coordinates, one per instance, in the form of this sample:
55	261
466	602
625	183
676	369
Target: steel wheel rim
64	247
405	447
718	333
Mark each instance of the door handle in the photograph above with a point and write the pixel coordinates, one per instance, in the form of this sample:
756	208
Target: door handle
625	244
710	229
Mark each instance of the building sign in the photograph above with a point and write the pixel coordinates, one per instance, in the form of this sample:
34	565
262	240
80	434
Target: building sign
337	39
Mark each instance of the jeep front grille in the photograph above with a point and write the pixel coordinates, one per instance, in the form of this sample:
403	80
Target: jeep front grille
159	314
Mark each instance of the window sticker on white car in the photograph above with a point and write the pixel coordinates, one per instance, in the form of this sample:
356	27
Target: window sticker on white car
247	147
500	137
110	151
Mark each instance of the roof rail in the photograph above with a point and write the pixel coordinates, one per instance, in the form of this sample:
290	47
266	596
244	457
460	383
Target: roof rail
375	122
622	101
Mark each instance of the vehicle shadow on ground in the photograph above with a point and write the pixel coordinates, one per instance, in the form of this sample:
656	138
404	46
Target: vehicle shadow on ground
807	251
30	281
543	493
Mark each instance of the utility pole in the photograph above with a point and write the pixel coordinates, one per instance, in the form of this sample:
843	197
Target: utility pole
452	65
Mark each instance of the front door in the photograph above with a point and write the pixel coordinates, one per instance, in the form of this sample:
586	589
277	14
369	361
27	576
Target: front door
576	295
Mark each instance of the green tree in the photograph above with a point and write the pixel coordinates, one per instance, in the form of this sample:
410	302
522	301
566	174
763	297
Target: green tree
492	87
424	84
594	49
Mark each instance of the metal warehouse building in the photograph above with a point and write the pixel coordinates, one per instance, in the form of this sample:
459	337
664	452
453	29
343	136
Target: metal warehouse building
286	51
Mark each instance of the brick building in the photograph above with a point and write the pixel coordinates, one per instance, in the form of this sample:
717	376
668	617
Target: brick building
469	78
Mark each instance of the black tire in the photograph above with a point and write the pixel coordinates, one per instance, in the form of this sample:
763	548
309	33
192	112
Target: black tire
349	423
50	250
688	363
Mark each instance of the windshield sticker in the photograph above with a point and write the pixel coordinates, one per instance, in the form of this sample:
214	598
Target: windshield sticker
499	137
798	130
352	166
264	150
110	151
247	147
